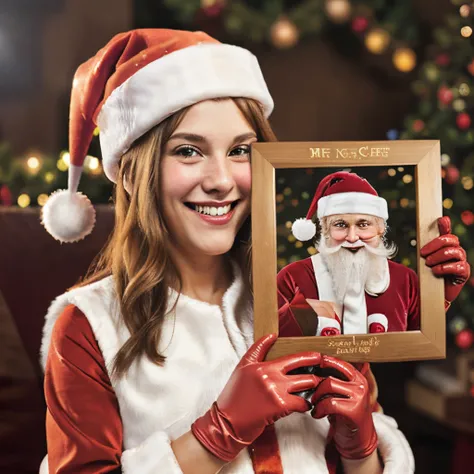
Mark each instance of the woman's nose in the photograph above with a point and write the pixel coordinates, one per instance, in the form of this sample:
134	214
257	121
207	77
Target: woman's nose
218	176
352	235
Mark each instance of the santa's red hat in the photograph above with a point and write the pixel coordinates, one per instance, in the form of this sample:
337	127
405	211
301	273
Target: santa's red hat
340	193
137	80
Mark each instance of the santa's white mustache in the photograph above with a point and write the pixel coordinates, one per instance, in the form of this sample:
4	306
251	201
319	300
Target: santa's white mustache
380	250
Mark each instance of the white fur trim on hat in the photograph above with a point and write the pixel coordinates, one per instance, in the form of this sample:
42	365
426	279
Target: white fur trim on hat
352	203
166	85
303	229
324	323
378	318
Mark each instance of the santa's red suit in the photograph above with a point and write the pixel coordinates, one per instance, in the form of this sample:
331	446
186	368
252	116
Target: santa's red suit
310	278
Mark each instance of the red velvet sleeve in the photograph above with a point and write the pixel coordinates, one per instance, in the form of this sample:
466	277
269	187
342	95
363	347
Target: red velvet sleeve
83	424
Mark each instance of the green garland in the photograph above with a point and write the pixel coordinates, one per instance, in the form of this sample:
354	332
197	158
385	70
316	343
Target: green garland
253	20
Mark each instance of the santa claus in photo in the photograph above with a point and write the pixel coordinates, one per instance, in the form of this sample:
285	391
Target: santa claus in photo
351	283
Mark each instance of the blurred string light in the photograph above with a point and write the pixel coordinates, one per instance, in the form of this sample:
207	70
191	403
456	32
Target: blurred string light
377	40
392	134
413	242
464	10
42	198
64	161
33	163
464	89
448	203
391	172
339	11
467	183
466	31
404	59
24	200
408	178
445	159
284	34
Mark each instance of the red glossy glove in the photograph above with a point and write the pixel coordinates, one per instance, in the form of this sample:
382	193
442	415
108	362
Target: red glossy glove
347	404
447	259
256	395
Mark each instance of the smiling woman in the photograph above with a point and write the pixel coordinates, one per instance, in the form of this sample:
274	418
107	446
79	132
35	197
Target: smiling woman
150	363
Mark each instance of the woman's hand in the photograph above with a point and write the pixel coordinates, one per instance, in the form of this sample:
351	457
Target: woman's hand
257	394
346	402
447	259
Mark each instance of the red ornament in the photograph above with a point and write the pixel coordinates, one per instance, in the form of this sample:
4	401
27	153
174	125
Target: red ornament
465	338
467	217
445	95
359	24
451	175
6	198
443	59
418	125
463	121
213	8
470	67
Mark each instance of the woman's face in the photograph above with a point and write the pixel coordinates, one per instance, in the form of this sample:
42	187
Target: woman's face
206	179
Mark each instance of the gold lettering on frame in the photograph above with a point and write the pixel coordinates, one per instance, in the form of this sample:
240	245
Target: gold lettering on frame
320	152
359	153
356	345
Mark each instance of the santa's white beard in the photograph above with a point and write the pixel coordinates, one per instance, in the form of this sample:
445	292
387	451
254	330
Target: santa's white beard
363	270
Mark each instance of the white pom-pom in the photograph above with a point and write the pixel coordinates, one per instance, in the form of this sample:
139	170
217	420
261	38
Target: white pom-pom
67	216
303	229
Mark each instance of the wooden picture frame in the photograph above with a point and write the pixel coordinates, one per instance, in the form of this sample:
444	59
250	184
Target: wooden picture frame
427	343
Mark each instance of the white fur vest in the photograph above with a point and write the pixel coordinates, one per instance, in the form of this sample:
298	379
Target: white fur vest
202	344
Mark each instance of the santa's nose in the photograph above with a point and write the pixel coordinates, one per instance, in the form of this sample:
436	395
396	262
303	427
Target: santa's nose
352	235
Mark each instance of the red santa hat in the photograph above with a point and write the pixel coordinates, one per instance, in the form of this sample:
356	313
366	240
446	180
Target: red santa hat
137	80
340	193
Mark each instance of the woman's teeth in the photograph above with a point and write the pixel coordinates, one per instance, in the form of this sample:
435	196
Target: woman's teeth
212	211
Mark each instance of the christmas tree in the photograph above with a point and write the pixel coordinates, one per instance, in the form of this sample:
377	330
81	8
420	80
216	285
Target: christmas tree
445	106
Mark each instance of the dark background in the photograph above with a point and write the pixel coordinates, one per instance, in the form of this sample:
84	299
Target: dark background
325	88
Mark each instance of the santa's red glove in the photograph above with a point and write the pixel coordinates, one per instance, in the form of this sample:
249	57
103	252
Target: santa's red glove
447	259
347	404
256	395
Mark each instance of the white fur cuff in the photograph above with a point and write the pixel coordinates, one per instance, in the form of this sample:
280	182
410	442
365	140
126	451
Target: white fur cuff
324	323
378	318
393	446
152	456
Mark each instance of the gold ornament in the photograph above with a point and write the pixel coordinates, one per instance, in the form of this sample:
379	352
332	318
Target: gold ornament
377	40
404	59
284	33
459	105
338	11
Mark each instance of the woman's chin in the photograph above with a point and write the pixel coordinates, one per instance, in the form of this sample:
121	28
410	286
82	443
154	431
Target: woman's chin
215	247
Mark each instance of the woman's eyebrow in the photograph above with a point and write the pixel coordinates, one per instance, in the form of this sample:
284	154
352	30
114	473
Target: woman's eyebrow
244	136
190	137
193	137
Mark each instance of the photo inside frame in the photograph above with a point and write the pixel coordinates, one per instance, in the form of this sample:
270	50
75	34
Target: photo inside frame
295	189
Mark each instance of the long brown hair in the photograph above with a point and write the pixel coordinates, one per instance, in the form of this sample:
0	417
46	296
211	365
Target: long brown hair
136	253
